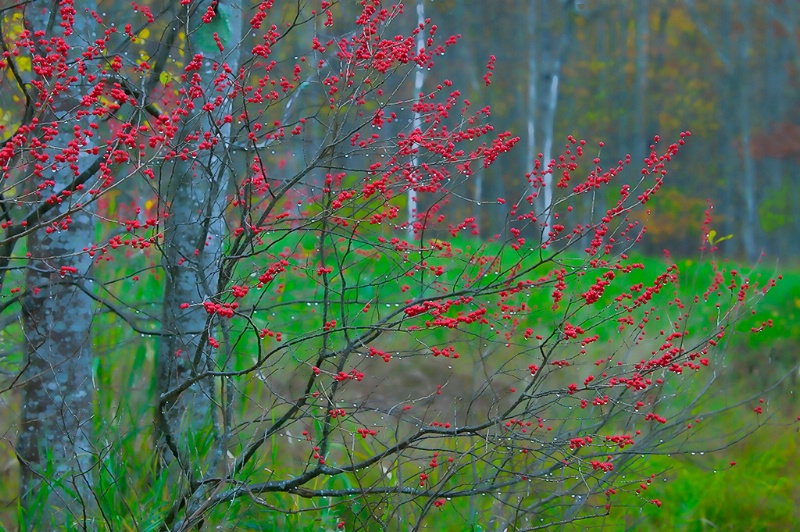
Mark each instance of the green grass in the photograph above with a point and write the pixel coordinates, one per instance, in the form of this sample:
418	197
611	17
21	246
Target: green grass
694	496
706	492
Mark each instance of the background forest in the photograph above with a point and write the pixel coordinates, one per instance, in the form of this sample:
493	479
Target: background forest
622	72
625	71
314	265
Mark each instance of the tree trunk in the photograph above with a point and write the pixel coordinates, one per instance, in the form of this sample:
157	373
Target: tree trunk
194	192
55	448
419	80
55	442
750	222
548	53
533	78
640	107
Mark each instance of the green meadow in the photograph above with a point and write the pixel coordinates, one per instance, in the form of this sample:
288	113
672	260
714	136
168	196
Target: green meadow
725	477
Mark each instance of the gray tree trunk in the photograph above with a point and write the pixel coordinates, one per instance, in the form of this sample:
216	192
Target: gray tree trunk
640	92
750	223
533	78
194	191
470	83
547	52
734	53
55	440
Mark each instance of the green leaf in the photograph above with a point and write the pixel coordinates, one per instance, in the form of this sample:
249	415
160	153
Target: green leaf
714	241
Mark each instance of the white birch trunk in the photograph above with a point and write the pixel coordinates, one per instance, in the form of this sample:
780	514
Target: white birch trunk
419	80
548	50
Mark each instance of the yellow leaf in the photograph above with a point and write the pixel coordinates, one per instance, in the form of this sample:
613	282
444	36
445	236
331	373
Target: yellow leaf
165	77
711	235
182	40
24	64
13	27
144	34
7	121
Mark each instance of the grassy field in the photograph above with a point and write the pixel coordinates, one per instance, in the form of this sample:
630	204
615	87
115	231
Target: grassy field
698	491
